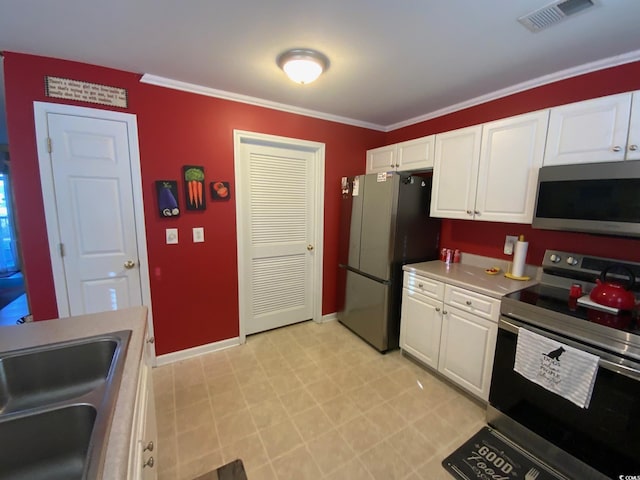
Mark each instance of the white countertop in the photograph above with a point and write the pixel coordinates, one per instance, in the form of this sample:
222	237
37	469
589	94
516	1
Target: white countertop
59	330
471	277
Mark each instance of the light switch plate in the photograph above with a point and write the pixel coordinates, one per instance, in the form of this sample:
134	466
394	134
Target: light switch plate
172	236
198	234
510	244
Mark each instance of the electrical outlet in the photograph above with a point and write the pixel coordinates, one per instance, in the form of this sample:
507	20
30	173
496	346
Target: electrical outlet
198	234
510	244
172	236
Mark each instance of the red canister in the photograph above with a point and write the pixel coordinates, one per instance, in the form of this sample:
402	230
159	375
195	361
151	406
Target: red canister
456	255
443	254
575	291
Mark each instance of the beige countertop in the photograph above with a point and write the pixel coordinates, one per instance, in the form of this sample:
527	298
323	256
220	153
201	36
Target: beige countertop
59	330
471	277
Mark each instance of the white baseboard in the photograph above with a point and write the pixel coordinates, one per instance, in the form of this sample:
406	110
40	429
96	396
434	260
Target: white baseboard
196	351
329	317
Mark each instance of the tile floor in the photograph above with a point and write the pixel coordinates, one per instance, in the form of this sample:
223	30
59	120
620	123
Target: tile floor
308	401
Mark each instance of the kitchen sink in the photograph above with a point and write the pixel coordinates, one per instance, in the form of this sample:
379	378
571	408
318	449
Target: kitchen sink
49	445
56	406
48	375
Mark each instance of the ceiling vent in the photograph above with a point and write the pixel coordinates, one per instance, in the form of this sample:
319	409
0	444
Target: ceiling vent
553	13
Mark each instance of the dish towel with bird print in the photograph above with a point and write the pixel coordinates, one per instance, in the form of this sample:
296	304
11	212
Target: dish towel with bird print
561	369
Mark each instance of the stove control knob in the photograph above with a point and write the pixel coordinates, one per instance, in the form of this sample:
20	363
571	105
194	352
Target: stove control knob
572	261
554	258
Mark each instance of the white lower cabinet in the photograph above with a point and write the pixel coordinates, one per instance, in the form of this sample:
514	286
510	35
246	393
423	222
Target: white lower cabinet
467	345
143	453
450	329
420	328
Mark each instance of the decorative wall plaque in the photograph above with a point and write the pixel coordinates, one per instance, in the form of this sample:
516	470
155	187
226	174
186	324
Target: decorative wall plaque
57	87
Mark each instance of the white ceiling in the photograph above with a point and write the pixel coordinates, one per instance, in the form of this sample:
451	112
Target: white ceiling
392	62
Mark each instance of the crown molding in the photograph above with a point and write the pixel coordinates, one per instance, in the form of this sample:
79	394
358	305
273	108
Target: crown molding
520	87
259	102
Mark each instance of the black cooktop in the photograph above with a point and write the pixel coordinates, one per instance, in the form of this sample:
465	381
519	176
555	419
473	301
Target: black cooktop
557	300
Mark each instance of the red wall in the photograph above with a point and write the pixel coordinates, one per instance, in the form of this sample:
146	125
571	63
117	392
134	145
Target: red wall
487	238
193	286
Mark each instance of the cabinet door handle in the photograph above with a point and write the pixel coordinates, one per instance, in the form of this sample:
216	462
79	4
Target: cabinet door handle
437	309
151	340
477	212
149	463
444	312
468	302
420	285
469	212
617	148
148	447
633	148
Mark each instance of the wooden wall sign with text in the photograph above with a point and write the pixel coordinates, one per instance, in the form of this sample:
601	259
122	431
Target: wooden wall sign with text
57	87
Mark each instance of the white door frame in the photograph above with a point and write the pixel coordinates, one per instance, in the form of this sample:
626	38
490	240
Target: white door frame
41	110
317	148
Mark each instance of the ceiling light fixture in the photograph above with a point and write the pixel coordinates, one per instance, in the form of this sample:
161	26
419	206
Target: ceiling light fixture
302	65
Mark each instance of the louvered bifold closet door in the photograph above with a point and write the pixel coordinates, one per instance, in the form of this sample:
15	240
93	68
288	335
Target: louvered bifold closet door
281	228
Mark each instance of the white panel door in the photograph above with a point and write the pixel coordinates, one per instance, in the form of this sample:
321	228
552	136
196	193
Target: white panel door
420	325
416	154
633	143
381	159
589	131
455	173
278	188
467	350
510	157
94	199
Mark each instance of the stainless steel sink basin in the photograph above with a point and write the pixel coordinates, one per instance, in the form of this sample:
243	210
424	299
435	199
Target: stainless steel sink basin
56	406
48	445
43	376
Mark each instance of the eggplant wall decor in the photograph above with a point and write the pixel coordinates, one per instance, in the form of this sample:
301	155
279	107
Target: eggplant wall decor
167	191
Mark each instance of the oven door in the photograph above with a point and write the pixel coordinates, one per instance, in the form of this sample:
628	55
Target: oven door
605	436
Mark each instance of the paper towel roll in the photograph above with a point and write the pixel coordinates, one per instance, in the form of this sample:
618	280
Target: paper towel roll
519	258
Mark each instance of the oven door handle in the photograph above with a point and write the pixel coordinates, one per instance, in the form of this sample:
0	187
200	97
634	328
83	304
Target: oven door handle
607	361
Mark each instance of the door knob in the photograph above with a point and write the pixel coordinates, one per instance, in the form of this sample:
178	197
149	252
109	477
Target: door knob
309	247
129	264
633	148
616	148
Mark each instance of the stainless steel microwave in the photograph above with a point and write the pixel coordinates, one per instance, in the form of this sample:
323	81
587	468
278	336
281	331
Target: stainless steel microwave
602	198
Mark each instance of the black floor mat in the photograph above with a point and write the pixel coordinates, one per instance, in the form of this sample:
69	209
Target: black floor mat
487	455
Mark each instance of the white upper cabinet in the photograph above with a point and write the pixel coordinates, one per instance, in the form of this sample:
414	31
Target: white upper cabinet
410	155
381	159
455	173
590	131
633	143
510	155
489	172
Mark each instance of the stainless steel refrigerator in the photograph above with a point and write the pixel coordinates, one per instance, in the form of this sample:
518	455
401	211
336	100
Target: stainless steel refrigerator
384	224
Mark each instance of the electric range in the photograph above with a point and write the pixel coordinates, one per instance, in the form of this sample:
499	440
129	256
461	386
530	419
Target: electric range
596	441
550	306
